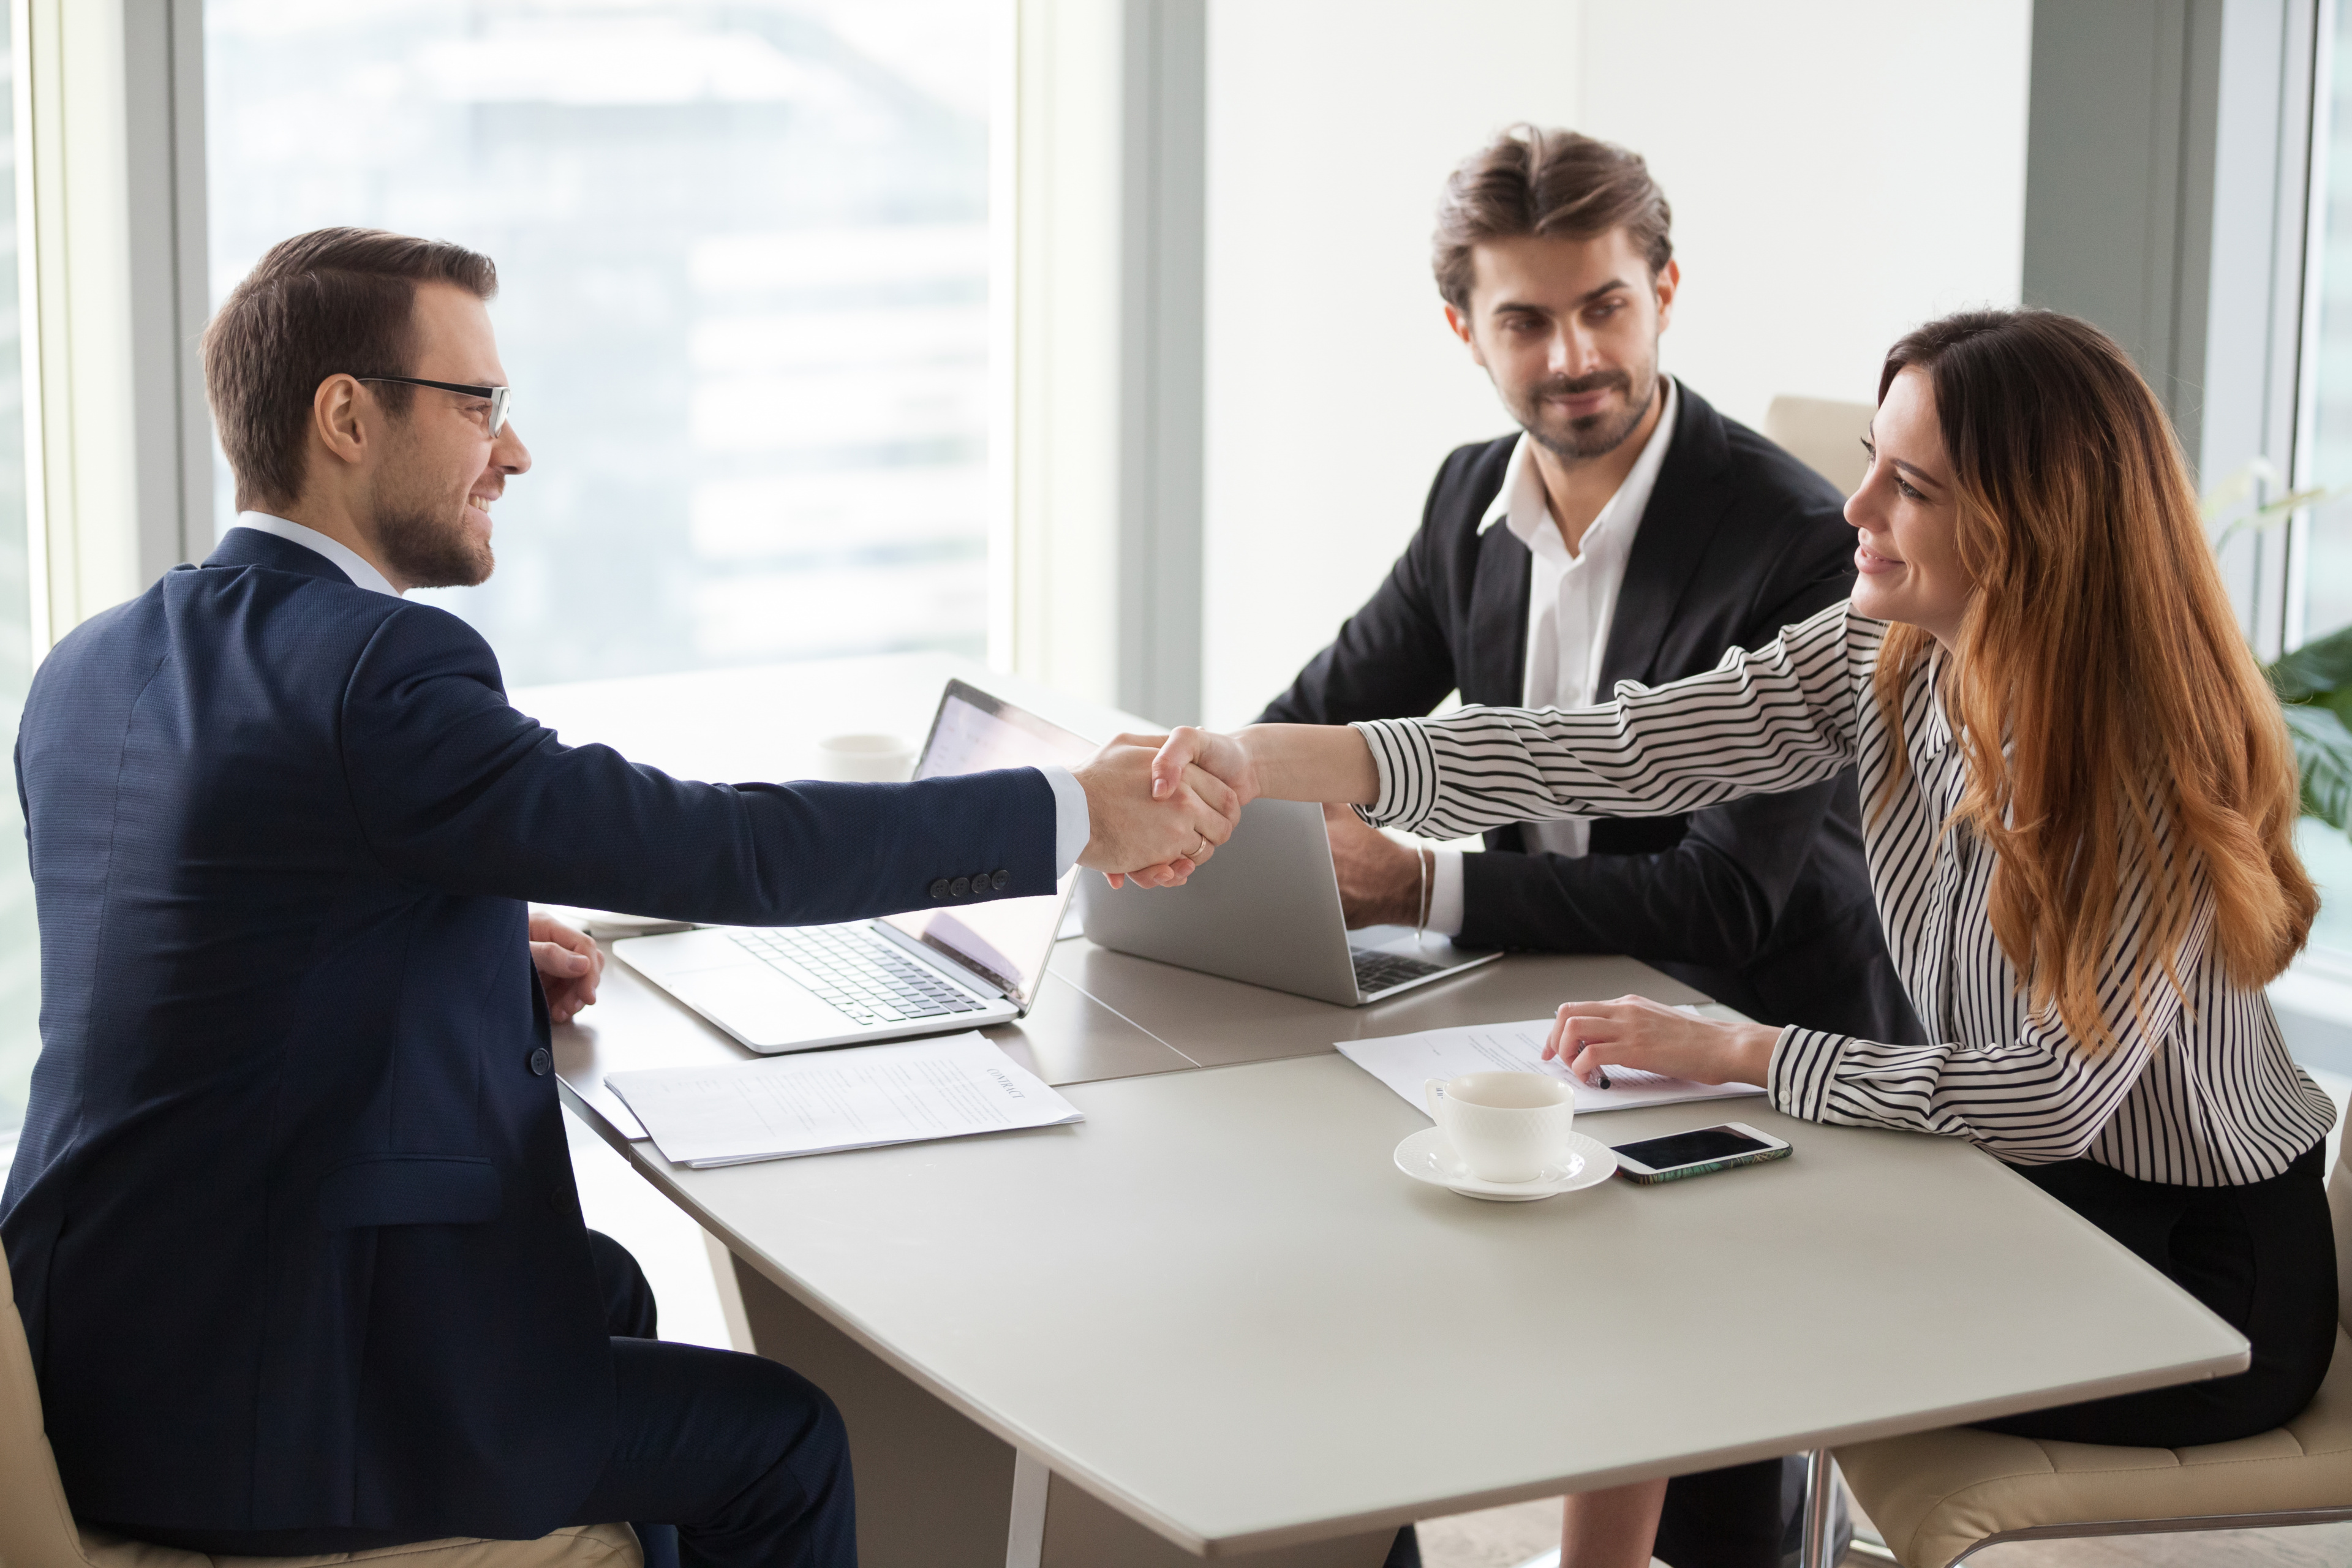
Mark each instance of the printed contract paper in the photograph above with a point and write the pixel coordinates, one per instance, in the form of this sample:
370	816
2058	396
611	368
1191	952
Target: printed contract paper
825	1100
1406	1062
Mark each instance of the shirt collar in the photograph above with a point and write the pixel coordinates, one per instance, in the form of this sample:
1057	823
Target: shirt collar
354	565
1520	503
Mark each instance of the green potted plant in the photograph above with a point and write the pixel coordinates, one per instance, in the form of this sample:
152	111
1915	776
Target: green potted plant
2314	681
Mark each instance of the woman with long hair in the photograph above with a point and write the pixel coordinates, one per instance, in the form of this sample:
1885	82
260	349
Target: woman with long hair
2078	802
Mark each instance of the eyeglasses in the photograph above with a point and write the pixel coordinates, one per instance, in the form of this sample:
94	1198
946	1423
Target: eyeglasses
501	398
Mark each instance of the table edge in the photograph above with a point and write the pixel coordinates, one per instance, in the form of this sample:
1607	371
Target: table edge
649	1162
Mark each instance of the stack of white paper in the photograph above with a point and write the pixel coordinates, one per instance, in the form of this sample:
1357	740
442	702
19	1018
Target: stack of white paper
825	1101
1406	1062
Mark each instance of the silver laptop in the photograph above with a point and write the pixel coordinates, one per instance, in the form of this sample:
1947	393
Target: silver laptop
1265	909
962	966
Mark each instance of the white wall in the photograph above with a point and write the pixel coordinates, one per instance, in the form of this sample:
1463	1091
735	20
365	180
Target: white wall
1334	388
1840	170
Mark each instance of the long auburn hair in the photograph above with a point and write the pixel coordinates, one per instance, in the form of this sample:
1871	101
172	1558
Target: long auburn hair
2142	741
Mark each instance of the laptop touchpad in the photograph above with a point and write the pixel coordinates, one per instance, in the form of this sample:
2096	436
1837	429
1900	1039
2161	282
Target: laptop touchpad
759	1005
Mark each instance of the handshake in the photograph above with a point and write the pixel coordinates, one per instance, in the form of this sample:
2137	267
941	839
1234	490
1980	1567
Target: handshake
1159	804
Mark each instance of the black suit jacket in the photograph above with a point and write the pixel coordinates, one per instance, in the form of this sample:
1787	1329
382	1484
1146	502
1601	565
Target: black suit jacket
1762	903
292	1224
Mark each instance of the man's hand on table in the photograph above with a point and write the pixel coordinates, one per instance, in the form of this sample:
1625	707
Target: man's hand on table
569	965
1380	880
1156	842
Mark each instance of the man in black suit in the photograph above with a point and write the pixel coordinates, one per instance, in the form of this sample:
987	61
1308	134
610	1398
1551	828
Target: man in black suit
292	1226
1628	532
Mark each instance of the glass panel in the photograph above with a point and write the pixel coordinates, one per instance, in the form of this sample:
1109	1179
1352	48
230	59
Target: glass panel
743	251
2327	564
20	954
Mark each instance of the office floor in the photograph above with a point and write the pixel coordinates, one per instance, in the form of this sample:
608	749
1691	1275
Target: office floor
669	1247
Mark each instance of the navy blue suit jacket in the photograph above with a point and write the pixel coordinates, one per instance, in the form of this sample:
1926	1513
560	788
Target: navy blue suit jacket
292	1221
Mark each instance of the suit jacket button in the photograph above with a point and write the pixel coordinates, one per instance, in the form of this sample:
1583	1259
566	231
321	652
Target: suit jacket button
541	1063
960	886
939	889
1001	881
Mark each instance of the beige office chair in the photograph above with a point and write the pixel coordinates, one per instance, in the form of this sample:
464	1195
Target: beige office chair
1939	1497
1824	434
38	1531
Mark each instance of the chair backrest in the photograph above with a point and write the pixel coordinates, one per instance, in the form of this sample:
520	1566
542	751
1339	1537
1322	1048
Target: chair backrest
36	1525
2339	1206
1825	435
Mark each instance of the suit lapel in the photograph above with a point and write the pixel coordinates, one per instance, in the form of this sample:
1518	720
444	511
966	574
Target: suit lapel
1685	508
1494	670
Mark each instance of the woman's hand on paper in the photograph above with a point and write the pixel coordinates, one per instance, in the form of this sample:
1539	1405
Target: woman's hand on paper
1635	1032
569	965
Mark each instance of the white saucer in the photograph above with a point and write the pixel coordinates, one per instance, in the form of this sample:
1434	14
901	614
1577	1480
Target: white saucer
1426	1156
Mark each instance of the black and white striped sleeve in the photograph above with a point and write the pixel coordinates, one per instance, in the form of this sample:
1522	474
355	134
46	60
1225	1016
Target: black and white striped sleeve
1762	722
2037	1097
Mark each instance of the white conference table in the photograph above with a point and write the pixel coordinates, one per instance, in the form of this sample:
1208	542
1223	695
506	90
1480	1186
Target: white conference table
1212	1320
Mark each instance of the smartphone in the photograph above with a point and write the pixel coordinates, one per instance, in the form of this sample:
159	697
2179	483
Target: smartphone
1696	1153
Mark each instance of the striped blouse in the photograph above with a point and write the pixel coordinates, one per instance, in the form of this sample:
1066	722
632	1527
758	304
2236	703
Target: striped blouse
2203	1094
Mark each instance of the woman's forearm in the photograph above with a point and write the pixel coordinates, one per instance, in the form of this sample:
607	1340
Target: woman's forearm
1311	762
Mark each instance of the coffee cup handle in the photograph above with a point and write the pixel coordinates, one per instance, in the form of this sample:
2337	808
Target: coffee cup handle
1431	1091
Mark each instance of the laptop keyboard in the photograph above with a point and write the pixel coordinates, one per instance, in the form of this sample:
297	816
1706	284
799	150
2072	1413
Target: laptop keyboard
865	976
1379	971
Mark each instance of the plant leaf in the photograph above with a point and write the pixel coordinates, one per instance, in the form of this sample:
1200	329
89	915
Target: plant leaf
2227	494
2316	670
2323	753
2272	515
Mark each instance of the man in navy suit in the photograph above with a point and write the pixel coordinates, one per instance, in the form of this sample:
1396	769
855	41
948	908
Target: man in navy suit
293	1222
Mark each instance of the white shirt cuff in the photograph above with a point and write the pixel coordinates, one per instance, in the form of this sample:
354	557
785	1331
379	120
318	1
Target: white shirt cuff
1446	892
1071	826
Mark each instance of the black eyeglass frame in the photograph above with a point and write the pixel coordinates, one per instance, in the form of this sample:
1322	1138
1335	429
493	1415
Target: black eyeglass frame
501	398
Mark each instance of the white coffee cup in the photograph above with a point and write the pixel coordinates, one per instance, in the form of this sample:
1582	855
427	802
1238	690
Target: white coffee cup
1507	1126
865	759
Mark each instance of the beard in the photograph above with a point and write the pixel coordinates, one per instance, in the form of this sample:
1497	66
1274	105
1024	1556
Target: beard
427	548
1595	435
427	544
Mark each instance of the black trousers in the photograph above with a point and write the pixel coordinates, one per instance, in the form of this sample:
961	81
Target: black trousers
720	1460
2263	1256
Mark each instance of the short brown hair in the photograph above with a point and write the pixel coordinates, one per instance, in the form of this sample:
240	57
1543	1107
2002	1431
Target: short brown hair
1557	184
335	301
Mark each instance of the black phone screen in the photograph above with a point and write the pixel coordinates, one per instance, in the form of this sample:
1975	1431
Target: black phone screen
1691	1148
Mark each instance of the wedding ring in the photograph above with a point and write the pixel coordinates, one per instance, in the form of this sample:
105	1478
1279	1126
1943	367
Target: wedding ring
1199	849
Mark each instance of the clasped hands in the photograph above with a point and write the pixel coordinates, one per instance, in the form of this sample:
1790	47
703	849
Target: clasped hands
1329	764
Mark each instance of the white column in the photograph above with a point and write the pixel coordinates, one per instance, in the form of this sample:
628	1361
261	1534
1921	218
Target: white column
110	121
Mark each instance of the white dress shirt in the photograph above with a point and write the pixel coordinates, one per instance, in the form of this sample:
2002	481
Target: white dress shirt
1073	824
1572	600
354	565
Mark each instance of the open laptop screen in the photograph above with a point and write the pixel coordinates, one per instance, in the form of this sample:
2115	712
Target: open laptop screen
1010	940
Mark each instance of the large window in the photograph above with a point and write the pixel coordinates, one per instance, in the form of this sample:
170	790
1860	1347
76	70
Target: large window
2323	546
20	956
744	252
